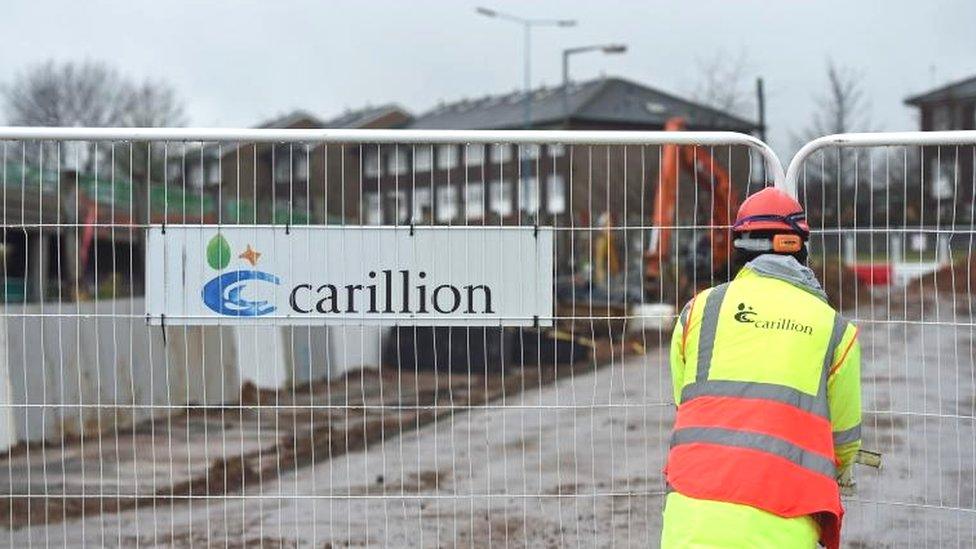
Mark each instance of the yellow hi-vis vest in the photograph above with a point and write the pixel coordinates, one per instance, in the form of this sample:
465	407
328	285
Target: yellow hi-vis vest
754	369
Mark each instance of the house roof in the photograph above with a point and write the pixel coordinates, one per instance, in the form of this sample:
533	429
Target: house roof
604	100
298	118
962	89
362	117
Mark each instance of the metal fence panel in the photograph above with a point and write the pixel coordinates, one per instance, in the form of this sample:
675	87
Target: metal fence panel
893	218
120	431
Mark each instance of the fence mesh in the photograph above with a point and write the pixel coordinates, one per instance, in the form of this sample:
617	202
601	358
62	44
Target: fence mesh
118	431
894	242
121	432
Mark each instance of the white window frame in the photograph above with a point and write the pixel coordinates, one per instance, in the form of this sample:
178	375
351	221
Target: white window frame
212	172
396	162
447	156
371	165
422	158
555	194
501	153
372	208
474	200
943	185
529	151
301	166
529	194
175	170
500	198
421	201
398	205
447	202
194	174
474	154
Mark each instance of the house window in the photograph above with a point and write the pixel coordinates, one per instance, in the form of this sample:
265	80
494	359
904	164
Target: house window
474	201
371	164
942	118
500	198
213	172
529	152
396	162
194	175
556	201
943	183
447	203
301	166
446	157
501	153
397	202
371	209
556	150
421	158
174	171
474	155
282	169
529	195
421	204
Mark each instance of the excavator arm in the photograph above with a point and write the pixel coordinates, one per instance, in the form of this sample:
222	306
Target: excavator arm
712	178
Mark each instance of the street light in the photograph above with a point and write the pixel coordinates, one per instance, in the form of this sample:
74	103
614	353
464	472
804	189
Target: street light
527	25
609	49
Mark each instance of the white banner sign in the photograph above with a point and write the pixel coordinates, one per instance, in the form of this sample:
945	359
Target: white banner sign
469	276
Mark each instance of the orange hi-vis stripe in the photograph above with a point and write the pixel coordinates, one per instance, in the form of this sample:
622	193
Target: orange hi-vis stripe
807	431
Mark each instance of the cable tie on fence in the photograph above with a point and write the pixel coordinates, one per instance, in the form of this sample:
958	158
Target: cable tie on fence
287	228
535	321
162	326
411	227
535	230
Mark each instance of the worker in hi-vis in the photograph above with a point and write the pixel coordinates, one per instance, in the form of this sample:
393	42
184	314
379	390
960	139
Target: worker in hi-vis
767	382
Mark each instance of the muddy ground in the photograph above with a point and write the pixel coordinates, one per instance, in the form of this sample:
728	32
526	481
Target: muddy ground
577	463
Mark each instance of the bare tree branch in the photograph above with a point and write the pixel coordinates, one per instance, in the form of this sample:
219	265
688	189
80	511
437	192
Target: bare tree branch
722	83
91	94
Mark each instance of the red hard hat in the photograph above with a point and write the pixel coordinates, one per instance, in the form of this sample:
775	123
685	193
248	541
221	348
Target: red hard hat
771	210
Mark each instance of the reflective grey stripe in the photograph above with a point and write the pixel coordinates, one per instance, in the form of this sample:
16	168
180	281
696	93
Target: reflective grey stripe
765	391
709	326
685	313
755	441
836	335
847	435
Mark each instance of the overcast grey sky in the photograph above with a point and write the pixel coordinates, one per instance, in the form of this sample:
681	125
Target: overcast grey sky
237	63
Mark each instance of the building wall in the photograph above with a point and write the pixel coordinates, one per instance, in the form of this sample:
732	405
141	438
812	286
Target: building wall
948	172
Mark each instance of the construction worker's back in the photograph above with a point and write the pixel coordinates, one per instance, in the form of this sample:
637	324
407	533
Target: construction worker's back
766	379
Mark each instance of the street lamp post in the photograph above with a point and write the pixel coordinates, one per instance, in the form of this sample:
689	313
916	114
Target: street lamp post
527	25
609	49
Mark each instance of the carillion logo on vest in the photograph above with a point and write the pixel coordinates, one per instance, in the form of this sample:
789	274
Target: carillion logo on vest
747	315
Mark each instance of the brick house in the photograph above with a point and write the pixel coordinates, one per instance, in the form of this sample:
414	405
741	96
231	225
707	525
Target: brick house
549	184
948	170
296	183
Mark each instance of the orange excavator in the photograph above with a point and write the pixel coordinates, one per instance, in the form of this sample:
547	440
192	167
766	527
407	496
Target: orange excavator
714	181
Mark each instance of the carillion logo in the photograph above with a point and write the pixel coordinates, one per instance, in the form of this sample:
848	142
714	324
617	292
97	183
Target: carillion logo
377	294
222	294
747	315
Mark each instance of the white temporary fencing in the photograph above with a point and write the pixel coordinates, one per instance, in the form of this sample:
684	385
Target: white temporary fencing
893	217
130	424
